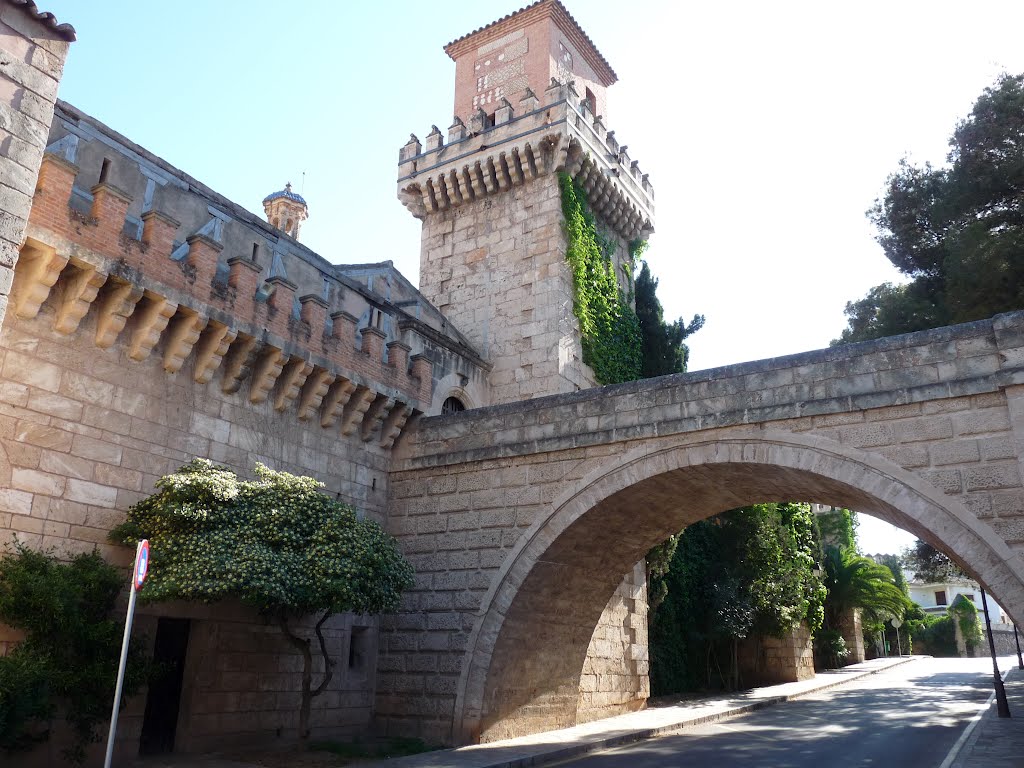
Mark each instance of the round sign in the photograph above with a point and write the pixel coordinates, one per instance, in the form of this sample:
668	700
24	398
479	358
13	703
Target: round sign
141	563
896	623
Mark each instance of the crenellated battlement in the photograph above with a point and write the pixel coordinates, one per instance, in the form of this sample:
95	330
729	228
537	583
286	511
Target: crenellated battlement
177	271
556	133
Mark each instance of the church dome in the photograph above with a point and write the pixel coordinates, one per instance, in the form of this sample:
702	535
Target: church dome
286	194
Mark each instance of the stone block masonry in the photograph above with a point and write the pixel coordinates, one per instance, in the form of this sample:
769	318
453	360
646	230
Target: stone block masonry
32	53
515	515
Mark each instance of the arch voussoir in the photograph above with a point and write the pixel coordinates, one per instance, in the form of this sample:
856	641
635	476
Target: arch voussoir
738	465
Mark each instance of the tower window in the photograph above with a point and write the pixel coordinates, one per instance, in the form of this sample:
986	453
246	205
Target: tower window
104	170
591	101
452	405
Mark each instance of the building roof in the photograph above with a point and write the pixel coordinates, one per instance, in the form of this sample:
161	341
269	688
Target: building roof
65	31
555	10
286	193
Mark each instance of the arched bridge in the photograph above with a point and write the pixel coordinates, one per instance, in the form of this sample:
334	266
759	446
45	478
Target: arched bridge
520	519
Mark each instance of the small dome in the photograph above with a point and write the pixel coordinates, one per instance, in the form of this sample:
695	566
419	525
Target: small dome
285	193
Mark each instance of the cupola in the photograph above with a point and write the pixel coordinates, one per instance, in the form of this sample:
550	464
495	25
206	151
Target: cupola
286	210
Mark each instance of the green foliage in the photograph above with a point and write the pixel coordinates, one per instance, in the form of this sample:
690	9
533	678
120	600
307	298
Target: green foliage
935	636
745	572
956	231
69	658
965	614
663	349
275	543
838	528
609	328
931	566
659	561
830	646
895	565
853	581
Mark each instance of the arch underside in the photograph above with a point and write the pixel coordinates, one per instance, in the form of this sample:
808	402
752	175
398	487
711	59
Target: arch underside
529	649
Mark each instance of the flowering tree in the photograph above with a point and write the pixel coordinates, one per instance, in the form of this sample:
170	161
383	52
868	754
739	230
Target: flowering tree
275	543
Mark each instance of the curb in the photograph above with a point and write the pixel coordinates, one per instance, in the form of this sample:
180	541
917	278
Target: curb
562	754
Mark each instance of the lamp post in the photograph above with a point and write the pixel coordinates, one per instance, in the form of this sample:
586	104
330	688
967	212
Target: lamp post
1002	705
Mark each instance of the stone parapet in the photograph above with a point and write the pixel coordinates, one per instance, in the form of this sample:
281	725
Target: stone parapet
558	135
972	359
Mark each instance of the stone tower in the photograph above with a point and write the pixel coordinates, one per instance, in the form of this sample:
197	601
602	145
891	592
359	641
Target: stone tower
530	94
286	210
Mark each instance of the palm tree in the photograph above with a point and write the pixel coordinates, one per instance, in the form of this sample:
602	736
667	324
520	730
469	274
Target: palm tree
854	581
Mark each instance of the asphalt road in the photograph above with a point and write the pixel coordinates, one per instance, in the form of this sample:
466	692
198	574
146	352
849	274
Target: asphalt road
909	717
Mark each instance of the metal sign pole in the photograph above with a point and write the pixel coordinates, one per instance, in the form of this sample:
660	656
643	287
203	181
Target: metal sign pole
1002	705
136	583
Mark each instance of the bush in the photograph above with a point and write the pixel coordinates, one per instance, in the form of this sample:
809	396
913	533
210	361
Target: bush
68	659
830	649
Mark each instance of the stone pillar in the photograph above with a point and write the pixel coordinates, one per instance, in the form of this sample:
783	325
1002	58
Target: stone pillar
853	634
32	53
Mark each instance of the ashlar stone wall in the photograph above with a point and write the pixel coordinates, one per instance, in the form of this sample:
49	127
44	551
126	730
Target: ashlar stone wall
520	518
496	268
32	54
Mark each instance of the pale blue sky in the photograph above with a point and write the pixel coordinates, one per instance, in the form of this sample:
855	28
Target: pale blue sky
767	128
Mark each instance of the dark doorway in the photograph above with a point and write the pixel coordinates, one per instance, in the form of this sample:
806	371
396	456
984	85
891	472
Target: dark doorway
161	718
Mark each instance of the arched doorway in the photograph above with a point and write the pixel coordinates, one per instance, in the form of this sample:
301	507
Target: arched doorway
527	649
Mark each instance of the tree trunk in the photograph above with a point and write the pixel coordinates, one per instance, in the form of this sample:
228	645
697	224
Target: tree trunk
308	692
307	676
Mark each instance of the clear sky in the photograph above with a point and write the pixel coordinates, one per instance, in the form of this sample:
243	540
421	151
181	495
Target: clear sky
768	129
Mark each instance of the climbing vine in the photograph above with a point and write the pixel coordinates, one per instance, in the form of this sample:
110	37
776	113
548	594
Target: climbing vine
609	328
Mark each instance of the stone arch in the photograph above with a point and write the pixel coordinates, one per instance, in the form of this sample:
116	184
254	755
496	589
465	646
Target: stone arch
552	587
457	385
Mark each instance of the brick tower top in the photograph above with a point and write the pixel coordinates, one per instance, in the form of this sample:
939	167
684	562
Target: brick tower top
527	49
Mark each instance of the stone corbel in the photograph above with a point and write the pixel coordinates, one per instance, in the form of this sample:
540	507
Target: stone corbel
291	381
374	414
76	293
265	373
335	400
212	348
37	270
357	405
393	424
184	333
238	362
151	321
114	308
313	391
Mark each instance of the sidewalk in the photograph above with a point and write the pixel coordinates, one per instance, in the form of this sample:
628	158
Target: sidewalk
550	747
996	742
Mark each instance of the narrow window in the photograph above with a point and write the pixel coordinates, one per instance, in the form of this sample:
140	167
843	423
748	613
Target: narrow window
940	597
255	252
591	101
104	170
357	648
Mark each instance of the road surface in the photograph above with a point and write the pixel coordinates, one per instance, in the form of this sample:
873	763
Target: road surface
909	716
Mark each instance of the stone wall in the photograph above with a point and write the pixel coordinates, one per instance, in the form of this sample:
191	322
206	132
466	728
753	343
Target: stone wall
127	352
773	660
496	268
32	54
853	633
616	674
516	515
